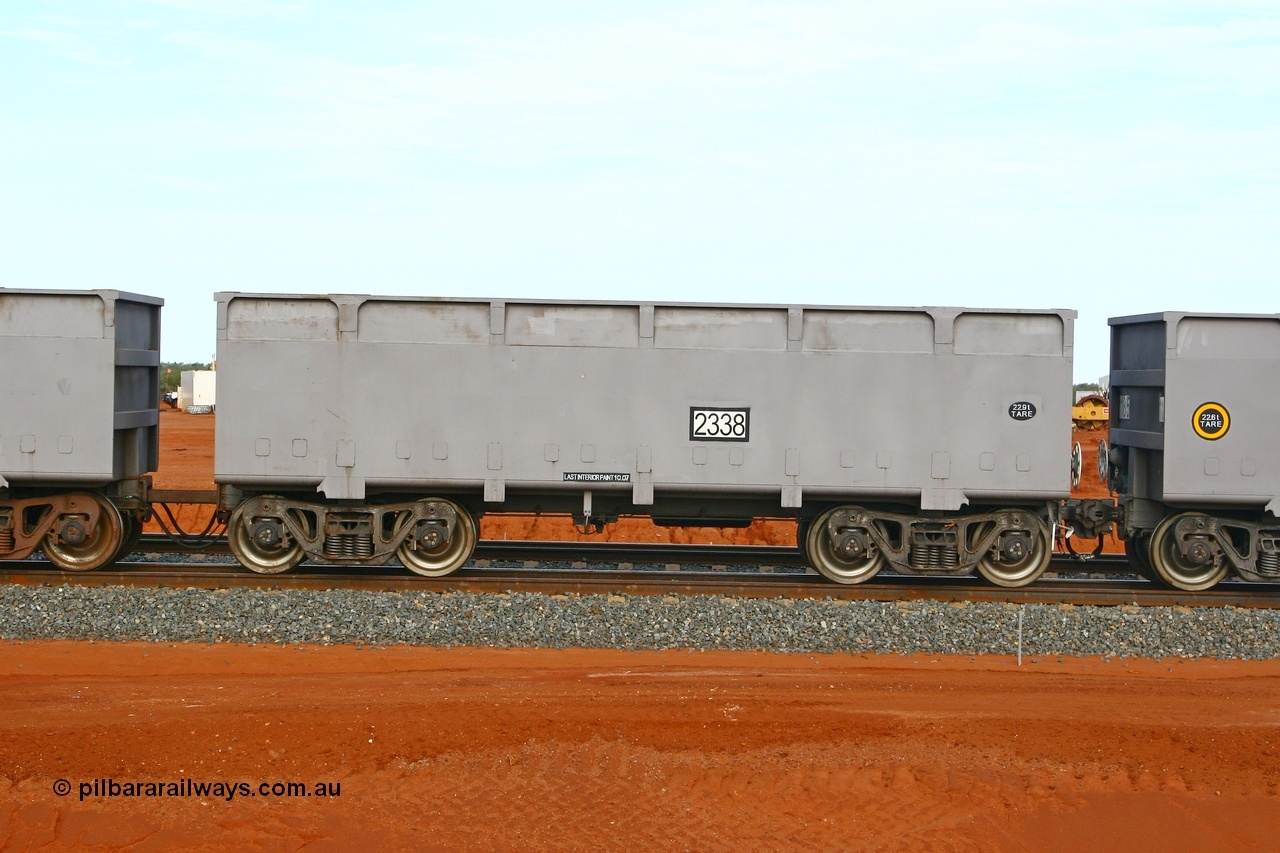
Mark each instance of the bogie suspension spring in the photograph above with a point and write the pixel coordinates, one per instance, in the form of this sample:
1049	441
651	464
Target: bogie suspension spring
348	546
934	556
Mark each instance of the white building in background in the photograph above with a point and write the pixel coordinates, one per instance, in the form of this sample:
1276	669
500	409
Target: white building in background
198	389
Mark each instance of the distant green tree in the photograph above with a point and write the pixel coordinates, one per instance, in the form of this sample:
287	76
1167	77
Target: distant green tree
1081	389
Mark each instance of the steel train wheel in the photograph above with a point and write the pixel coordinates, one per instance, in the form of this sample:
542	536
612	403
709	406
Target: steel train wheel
821	553
129	538
802	537
96	549
1021	572
1136	548
266	559
450	556
1169	564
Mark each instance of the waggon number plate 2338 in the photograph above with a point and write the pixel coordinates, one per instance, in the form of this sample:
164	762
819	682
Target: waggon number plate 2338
714	424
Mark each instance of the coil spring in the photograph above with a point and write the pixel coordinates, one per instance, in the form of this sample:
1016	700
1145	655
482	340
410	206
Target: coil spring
348	546
935	556
6	540
1269	565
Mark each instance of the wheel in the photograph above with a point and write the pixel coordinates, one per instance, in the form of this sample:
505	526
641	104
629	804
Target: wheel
129	539
823	556
1104	462
1020	572
1135	548
1077	464
1168	562
97	548
450	556
802	537
265	558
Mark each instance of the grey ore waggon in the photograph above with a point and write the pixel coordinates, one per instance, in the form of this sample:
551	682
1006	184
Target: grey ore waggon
1195	432
932	440
79	381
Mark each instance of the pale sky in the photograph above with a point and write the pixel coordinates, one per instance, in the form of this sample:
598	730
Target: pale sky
1112	157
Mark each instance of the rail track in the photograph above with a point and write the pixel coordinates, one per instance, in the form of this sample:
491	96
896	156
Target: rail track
647	569
626	553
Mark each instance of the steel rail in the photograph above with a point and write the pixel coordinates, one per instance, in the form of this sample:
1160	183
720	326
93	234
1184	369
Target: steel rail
1077	591
632	553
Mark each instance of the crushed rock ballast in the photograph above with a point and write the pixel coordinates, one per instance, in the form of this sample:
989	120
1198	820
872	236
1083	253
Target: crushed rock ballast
632	622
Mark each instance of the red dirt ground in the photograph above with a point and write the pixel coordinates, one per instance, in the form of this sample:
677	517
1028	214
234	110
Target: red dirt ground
481	749
476	749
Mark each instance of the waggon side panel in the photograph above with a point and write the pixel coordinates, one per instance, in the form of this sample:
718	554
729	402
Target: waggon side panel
1198	370
80	386
349	392
1232	363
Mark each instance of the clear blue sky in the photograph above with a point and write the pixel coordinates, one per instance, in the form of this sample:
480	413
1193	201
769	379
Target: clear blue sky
1113	157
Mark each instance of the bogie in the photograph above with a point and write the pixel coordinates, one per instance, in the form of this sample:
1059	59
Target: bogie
851	544
86	535
274	533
